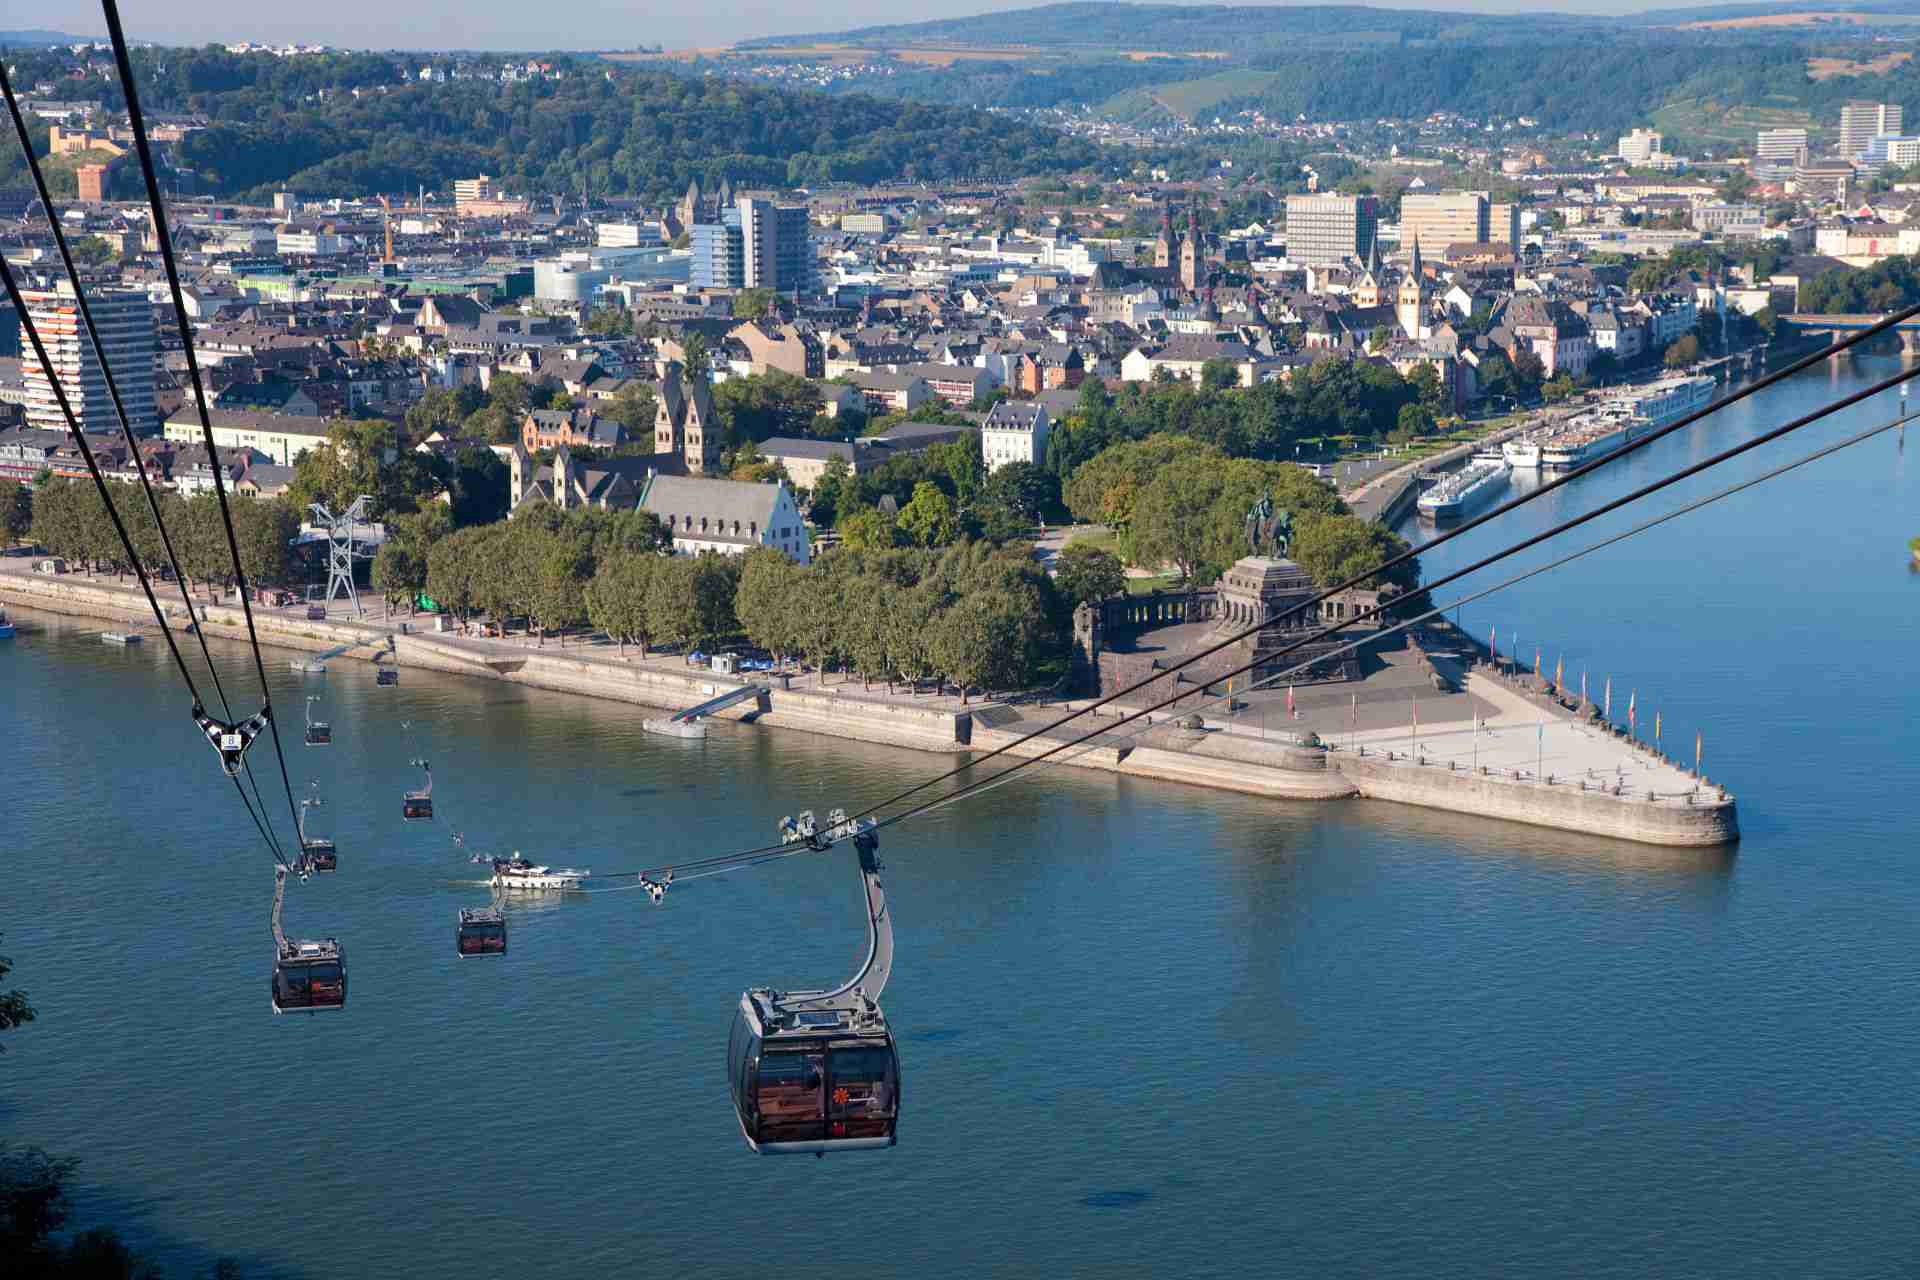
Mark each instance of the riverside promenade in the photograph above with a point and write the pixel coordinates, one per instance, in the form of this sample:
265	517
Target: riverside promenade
1221	754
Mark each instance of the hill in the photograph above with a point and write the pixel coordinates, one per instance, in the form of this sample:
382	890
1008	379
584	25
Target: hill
354	124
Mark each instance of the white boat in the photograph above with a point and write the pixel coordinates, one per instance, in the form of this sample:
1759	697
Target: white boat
1522	453
1461	492
120	637
307	666
517	873
1490	453
675	728
1671	399
6	626
1590	435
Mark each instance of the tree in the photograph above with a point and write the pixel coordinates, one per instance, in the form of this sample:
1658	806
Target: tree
1603	368
14	1009
690	600
1335	548
1171	516
929	520
1558	388
1528	368
1087	573
265	531
824	507
399	571
1683	351
868	530
985	639
1023	488
1218	375
768	601
16	509
752	304
1413	422
479	487
617	595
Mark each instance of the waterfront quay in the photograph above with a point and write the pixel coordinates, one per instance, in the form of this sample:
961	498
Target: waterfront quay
1227	752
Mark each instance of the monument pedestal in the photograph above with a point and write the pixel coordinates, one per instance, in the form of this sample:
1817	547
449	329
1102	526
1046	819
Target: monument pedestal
1270	594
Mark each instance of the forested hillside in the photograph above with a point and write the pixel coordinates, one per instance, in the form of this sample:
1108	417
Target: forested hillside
350	124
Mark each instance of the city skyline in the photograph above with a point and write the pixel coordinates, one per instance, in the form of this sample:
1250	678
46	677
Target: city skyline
584	25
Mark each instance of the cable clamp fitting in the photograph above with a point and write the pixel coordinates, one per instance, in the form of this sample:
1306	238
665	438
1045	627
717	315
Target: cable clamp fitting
231	741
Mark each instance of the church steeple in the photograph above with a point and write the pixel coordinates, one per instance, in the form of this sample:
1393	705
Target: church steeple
1192	252
1410	303
1163	248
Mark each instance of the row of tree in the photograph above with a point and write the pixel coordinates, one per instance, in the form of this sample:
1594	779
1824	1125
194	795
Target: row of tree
976	615
69	519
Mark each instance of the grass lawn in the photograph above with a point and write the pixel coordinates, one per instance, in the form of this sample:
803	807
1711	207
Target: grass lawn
1104	539
1147	586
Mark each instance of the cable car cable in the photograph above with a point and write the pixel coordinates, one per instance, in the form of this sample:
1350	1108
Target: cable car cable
1571	523
119	403
137	123
32	331
1693	469
1632	446
1092	743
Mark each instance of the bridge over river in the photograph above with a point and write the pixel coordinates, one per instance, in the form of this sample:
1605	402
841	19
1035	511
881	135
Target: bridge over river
1909	330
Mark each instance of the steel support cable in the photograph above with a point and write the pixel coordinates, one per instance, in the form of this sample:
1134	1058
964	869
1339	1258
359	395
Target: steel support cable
126	427
106	369
1092	744
1365	615
751	856
1886	384
165	238
32	331
1632	446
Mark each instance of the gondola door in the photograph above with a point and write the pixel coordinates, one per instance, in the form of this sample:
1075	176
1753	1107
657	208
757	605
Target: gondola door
793	1097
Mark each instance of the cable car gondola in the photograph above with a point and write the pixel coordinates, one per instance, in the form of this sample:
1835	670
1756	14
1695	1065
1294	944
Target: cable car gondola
417	806
308	975
817	1071
319	732
482	931
318	851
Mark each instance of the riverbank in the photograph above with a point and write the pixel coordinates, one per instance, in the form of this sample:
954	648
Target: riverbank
1215	756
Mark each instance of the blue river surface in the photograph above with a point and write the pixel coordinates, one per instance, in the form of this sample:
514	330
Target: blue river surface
1145	1029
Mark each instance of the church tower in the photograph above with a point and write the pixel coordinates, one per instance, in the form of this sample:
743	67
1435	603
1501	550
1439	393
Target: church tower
1163	248
1410	304
1193	258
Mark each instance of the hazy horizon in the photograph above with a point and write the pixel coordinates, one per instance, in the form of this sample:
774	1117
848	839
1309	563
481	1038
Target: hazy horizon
590	24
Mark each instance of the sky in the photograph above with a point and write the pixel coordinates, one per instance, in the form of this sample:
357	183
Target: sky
569	24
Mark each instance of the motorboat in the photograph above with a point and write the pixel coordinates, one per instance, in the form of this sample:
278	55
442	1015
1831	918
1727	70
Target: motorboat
6	626
518	873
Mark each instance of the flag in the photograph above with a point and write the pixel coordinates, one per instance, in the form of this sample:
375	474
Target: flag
1696	739
1633	703
1583	687
1559	671
1536	662
1606	711
1289	699
1656	728
1494	643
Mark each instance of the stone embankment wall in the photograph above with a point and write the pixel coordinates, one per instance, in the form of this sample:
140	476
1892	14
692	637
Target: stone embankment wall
1223	761
1676	821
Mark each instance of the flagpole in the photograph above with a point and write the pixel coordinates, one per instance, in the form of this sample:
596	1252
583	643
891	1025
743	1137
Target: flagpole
1540	763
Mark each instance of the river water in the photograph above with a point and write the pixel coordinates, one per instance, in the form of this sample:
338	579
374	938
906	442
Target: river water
1146	1030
